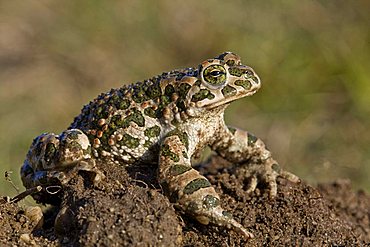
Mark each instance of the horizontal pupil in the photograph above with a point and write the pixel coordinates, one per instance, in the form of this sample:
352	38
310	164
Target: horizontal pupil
215	73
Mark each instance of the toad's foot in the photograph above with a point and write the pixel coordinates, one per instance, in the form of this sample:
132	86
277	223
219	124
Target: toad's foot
266	173
209	211
224	218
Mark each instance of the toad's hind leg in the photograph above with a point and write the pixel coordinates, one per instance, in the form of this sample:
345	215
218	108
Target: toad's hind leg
192	192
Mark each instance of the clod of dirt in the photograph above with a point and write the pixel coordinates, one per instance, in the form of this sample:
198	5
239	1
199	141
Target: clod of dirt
117	213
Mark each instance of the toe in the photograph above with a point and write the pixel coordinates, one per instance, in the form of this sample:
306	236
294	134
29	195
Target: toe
273	189
240	229
290	176
252	184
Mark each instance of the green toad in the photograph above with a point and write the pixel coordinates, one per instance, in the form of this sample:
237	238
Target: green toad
163	120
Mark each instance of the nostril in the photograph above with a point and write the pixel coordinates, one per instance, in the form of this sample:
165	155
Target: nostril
249	72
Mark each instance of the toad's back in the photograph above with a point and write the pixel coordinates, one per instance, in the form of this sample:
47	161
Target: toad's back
125	124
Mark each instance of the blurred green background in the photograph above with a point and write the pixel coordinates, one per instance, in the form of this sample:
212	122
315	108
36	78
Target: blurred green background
313	58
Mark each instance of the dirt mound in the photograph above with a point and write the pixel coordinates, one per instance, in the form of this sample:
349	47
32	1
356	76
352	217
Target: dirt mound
129	209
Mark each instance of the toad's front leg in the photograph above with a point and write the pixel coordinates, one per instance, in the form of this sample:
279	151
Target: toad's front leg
53	160
239	146
185	186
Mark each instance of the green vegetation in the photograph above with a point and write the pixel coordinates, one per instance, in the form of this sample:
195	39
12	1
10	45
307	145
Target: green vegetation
313	58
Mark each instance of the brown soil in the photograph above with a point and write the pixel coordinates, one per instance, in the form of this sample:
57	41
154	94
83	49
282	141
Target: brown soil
129	209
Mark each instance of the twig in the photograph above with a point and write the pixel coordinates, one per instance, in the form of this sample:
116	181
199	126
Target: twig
26	193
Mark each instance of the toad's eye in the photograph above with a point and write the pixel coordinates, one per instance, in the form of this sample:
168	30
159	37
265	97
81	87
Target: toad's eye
215	74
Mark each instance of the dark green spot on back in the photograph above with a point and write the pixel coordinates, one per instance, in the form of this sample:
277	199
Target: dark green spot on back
152	131
169	90
183	90
154	91
136	116
139	94
129	141
150	112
